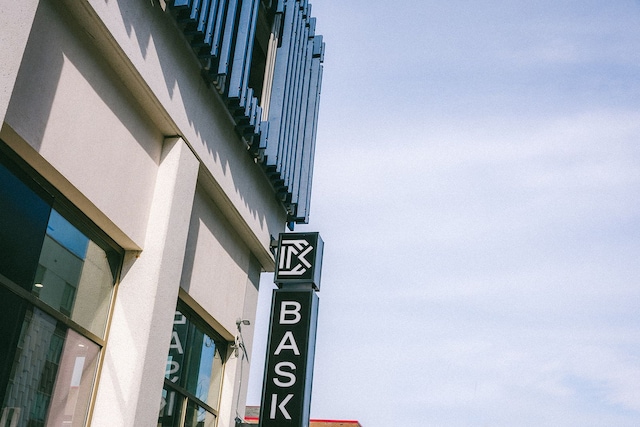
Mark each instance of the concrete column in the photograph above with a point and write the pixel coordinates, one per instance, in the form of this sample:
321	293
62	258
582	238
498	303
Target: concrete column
132	375
16	20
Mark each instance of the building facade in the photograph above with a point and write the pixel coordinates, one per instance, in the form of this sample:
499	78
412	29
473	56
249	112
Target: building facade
253	413
150	153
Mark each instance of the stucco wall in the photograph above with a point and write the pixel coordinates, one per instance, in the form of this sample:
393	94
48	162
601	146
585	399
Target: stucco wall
216	263
71	108
162	71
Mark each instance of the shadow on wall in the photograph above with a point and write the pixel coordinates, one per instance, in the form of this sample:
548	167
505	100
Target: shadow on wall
204	109
55	39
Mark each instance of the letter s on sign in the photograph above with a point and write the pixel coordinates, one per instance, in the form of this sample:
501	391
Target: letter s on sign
279	371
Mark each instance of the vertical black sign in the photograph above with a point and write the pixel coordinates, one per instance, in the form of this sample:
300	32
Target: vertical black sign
286	392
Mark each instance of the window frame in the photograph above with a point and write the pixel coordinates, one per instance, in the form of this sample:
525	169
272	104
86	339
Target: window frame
223	346
31	178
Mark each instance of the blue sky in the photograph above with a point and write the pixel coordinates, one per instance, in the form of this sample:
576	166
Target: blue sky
477	186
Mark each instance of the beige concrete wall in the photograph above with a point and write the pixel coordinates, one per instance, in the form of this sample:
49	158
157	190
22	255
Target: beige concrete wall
222	277
135	357
71	108
216	263
165	71
15	25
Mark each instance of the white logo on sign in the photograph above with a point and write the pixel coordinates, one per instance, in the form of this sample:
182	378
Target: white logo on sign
292	258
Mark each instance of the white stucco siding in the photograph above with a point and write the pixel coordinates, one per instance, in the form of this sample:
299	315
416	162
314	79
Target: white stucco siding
216	264
15	22
161	58
221	276
72	109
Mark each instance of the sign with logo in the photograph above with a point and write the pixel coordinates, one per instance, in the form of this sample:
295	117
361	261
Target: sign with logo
286	391
299	259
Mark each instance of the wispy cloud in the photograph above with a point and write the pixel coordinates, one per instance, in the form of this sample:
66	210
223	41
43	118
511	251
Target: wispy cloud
477	187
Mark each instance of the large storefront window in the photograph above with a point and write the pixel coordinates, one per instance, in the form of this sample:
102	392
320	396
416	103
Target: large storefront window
194	374
57	275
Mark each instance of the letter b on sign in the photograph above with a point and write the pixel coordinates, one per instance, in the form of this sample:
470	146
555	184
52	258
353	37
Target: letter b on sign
290	312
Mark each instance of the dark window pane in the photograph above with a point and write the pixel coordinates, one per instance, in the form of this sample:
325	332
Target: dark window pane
170	408
195	361
197	416
12	312
23	223
35	367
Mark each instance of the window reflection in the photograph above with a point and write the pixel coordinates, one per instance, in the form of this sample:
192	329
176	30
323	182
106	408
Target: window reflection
74	275
52	375
47	363
193	375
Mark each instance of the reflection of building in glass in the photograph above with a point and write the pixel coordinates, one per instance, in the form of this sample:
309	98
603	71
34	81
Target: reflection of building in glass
149	154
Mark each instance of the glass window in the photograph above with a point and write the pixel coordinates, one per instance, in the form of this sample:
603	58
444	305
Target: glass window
50	344
75	275
52	375
23	222
194	374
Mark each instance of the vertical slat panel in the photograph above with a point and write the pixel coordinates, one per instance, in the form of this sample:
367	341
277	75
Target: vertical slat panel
218	27
294	111
195	10
203	16
244	98
239	72
306	180
302	145
270	62
209	23
299	110
181	3
228	37
281	132
196	26
283	146
278	89
285	135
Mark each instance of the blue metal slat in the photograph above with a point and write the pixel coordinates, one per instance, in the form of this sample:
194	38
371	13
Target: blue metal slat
303	131
298	111
216	30
244	98
291	8
295	113
227	45
256	112
304	200
195	10
302	146
285	131
248	105
189	15
203	17
239	72
209	23
276	110
284	141
196	27
181	3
